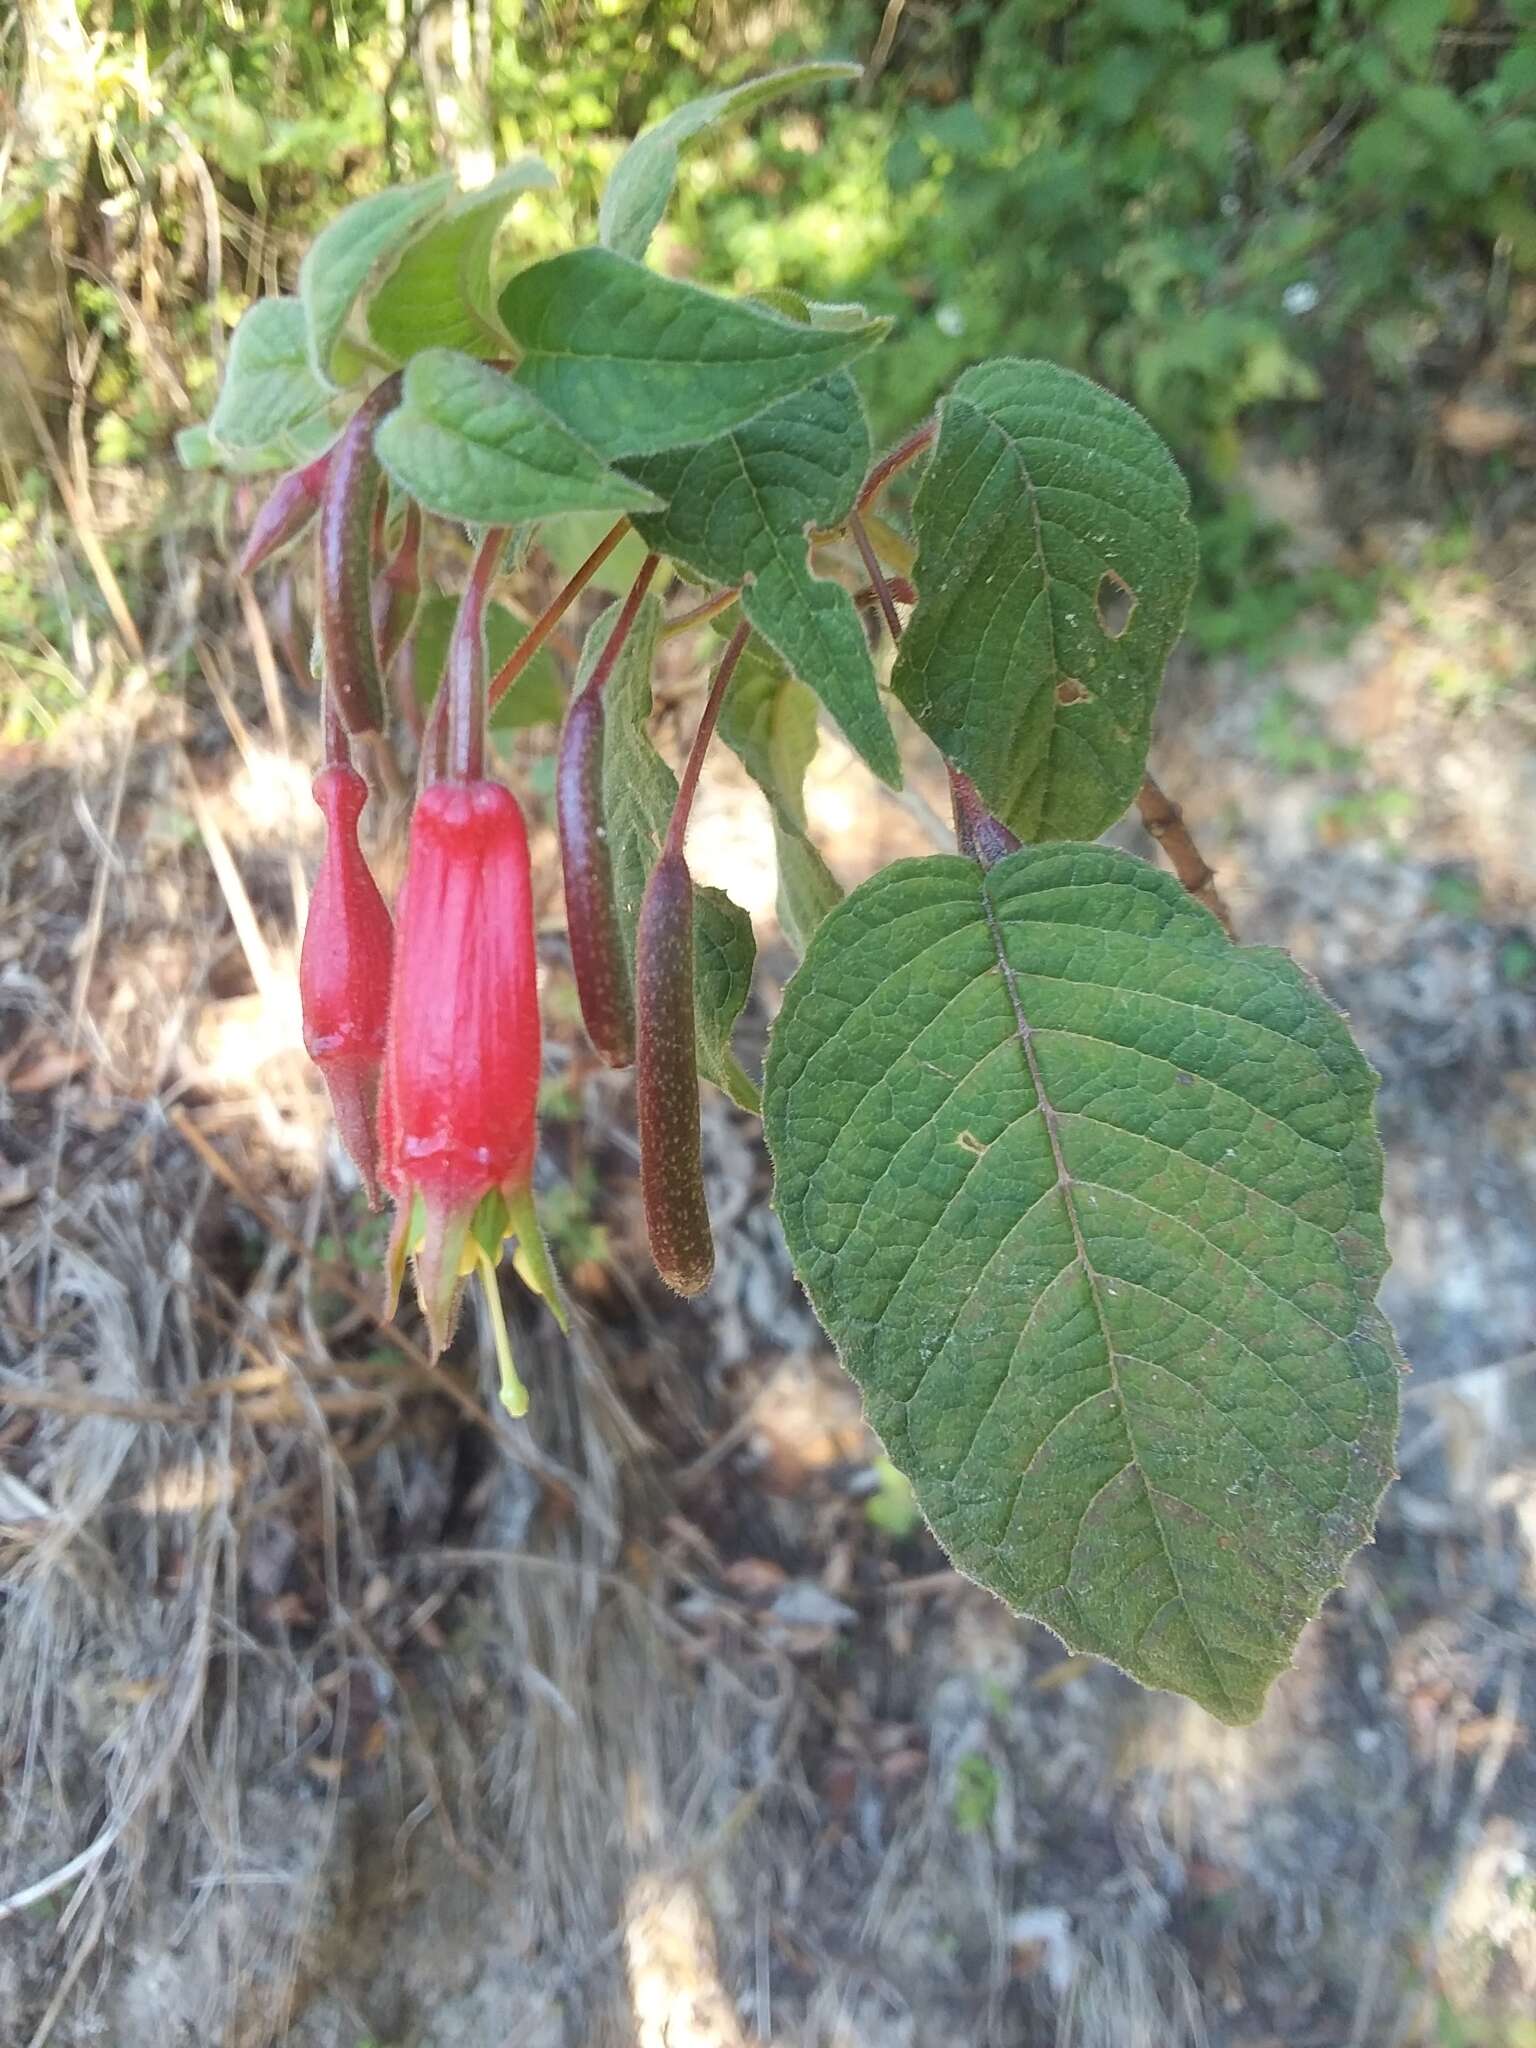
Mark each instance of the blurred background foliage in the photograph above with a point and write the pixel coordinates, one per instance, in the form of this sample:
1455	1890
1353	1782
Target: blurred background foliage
1316	220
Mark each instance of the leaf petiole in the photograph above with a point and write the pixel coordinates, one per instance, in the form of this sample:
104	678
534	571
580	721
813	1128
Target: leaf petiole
551	616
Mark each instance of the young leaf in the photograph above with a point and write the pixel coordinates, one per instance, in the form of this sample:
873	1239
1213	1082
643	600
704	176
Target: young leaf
637	192
271	412
196	449
768	720
635	362
1055	561
740	510
1088	1199
469	443
441	294
534	699
355	253
638	793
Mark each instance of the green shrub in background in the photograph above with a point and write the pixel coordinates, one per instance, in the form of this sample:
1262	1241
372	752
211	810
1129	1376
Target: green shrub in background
1200	204
1211	208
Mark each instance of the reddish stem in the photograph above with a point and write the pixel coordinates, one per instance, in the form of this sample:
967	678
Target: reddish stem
547	620
877	577
677	831
903	453
338	748
597	682
352	489
464	682
701	614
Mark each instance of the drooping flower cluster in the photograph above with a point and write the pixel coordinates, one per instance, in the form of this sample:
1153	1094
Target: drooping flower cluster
427	1031
461	1069
426	1027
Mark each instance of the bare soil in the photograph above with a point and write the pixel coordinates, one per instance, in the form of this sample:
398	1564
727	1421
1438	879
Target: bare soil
336	1708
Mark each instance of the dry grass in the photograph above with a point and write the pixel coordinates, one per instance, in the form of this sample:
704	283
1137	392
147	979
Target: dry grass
332	1703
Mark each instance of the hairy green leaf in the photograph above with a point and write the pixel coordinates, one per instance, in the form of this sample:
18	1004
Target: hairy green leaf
440	294
1088	1198
536	698
741	509
635	362
1055	562
636	194
271	411
355	253
639	790
196	448
470	443
768	720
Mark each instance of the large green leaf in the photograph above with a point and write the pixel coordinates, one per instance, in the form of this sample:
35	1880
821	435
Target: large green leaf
1047	508
637	192
768	720
1088	1199
636	362
440	294
740	510
272	412
639	790
470	443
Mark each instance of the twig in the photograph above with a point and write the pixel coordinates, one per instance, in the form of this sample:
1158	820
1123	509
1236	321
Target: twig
1165	822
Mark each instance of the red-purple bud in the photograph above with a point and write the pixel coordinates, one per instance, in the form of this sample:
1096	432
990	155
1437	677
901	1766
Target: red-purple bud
461	1081
397	589
667	1081
352	488
591	904
285	512
344	972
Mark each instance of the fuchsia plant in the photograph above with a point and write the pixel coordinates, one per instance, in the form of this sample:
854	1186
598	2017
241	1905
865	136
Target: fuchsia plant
1086	1195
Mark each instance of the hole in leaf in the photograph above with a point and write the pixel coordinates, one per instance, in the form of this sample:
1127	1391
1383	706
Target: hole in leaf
1114	601
1070	691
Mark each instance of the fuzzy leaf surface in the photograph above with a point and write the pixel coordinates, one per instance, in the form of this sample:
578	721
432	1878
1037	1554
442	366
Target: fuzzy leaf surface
355	253
636	195
471	443
740	509
1048	507
440	294
635	362
272	412
1089	1200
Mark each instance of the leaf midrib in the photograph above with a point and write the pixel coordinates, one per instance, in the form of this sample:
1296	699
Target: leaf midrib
1065	1186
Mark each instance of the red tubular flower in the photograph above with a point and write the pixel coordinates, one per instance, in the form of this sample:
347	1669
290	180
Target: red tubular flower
344	972
461	1078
